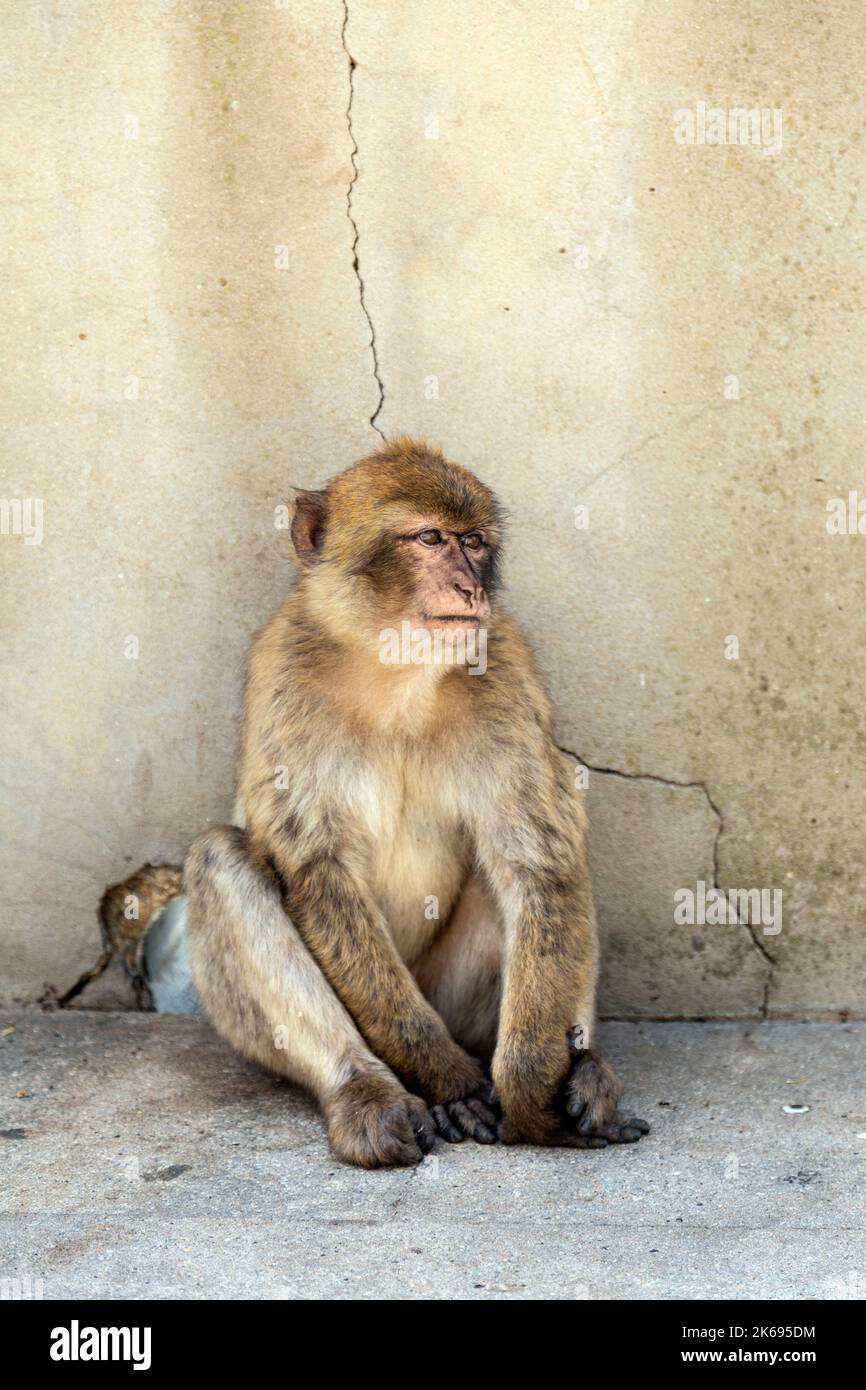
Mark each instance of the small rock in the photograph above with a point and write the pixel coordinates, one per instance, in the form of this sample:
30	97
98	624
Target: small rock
174	1170
796	1109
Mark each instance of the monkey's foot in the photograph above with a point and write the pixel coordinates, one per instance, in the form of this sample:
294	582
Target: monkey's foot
474	1116
588	1105
374	1123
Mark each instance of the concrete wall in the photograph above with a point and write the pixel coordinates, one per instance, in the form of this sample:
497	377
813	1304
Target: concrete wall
584	310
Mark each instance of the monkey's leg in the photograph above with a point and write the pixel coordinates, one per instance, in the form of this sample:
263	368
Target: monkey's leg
264	992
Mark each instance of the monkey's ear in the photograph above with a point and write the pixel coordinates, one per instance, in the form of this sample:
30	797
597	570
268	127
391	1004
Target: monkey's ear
308	526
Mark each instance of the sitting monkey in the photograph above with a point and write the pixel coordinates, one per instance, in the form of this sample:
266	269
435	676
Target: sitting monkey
409	896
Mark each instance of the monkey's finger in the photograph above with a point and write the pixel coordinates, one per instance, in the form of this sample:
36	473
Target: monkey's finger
461	1117
489	1095
484	1113
584	1141
449	1132
470	1123
576	1107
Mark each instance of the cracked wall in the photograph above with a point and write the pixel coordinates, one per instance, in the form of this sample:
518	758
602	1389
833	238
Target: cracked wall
248	238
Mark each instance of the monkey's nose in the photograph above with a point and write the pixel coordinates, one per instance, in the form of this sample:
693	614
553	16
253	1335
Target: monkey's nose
466	594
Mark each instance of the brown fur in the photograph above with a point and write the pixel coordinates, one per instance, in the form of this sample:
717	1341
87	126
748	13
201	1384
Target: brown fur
367	789
123	937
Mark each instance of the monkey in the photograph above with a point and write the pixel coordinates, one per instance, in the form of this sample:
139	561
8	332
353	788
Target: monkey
402	922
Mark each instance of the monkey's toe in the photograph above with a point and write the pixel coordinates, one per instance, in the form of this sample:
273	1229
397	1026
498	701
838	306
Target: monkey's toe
616	1131
620	1133
640	1125
591	1094
589	1103
423	1126
374	1123
401	1136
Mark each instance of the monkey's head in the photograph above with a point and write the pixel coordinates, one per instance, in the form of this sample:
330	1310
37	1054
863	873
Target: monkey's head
404	535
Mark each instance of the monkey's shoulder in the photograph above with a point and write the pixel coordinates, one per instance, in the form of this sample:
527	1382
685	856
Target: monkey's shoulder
288	660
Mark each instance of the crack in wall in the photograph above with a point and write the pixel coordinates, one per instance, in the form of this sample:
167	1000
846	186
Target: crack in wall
720	825
635	449
350	191
52	998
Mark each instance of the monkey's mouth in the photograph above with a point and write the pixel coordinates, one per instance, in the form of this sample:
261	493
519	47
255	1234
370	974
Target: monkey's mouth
452	618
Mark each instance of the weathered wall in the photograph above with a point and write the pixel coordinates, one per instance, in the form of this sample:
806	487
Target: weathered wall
584	310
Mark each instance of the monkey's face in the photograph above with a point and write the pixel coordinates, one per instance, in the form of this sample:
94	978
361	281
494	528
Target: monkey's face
425	569
401	537
444	571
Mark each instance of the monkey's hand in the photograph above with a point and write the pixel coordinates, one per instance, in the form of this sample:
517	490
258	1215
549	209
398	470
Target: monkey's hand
375	1123
581	1112
476	1115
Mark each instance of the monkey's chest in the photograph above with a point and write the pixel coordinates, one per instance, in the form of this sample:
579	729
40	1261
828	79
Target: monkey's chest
421	863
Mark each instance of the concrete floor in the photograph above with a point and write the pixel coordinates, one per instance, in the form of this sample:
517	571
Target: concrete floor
141	1158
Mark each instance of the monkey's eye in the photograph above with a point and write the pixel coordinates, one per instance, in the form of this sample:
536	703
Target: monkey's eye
473	541
429	537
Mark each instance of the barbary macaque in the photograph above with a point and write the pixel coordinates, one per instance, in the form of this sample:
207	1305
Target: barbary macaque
404	924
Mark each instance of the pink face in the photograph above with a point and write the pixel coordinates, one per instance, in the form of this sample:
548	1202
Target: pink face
449	571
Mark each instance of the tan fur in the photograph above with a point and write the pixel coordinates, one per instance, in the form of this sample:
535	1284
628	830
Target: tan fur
461	971
369	790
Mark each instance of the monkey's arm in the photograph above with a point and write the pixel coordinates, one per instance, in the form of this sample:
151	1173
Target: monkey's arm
532	851
346	933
